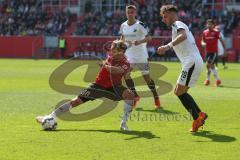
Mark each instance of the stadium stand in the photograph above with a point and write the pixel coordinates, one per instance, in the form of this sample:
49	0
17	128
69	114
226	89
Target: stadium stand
72	19
26	17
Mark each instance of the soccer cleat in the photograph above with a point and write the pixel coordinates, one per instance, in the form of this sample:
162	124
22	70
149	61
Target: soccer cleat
157	103
123	126
218	82
206	82
198	122
40	119
136	99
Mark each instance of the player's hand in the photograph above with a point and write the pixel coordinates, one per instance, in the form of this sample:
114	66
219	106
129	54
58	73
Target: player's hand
162	49
136	42
129	43
203	44
101	64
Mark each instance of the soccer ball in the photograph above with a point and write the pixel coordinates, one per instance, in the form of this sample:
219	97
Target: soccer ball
49	124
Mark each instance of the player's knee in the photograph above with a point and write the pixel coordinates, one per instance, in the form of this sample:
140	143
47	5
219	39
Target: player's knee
176	93
208	65
127	76
128	95
76	101
147	78
179	92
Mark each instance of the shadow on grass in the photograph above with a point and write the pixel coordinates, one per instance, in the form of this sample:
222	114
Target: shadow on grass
215	137
135	134
161	110
231	87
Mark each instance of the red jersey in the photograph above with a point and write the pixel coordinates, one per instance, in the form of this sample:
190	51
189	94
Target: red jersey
106	79
210	37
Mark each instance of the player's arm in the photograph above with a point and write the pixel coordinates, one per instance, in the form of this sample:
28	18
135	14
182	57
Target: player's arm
203	43
223	44
147	39
114	69
122	37
145	31
181	36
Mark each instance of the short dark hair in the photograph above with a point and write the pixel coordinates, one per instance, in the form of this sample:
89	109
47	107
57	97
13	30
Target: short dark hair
168	8
131	6
210	21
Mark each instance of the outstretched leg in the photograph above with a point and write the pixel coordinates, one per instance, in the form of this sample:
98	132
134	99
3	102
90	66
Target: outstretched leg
191	106
128	97
152	87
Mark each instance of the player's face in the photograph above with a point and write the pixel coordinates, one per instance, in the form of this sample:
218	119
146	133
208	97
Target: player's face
114	48
210	26
166	18
131	13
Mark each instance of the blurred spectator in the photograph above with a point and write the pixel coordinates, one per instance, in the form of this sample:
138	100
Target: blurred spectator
194	13
25	17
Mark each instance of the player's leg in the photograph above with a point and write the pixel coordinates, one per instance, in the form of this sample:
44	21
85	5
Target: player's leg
152	87
208	65
214	70
224	62
67	106
63	108
85	95
187	79
187	100
122	93
130	84
128	97
144	68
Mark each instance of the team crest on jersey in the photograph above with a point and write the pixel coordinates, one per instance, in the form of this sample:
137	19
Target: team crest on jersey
135	30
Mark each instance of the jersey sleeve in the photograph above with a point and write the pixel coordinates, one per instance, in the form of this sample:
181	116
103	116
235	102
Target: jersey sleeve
203	36
121	30
143	28
179	25
221	35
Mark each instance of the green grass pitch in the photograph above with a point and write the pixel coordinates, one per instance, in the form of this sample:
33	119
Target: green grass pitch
25	93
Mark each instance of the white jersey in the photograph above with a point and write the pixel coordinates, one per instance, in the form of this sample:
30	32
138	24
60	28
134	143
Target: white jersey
187	50
220	46
136	31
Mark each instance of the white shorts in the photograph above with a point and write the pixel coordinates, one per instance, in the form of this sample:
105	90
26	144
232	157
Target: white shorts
143	67
190	74
137	56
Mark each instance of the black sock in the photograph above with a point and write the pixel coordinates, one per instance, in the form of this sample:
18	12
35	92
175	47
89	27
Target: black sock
223	61
131	86
190	105
152	87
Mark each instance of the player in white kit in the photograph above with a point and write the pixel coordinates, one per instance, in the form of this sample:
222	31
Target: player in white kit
221	52
136	34
184	45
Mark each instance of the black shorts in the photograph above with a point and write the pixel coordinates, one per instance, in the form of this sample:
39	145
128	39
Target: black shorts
211	58
95	91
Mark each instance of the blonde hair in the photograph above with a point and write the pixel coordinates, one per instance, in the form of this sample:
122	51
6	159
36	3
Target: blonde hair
168	8
120	45
131	6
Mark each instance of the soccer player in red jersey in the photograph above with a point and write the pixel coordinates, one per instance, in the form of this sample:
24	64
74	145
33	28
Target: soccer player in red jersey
108	84
209	41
